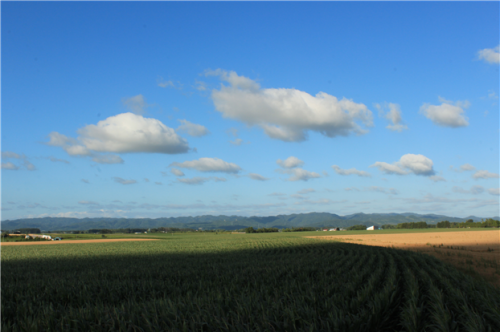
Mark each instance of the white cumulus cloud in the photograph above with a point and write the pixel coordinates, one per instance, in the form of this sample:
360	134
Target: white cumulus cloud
446	114
409	163
287	114
127	132
290	162
209	165
483	174
351	171
122	133
490	55
192	129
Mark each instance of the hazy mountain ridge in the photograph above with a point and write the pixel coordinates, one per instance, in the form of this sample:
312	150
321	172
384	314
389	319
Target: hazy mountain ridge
313	219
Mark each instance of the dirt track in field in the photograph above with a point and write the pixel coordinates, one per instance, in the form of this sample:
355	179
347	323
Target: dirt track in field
470	251
29	243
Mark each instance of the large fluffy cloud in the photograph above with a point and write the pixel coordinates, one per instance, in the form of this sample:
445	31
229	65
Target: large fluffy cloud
128	132
351	171
287	114
209	165
490	55
446	114
409	163
122	133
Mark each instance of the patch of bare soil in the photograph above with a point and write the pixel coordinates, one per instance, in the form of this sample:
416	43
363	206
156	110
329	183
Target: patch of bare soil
28	243
473	252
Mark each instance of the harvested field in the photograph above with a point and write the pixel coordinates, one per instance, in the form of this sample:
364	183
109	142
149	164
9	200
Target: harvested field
473	252
29	243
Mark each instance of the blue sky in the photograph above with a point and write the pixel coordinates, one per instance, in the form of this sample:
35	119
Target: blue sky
159	109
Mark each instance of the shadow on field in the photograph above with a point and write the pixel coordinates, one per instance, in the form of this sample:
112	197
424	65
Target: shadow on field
476	253
320	286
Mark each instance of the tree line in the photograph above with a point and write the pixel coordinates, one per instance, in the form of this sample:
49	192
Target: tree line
469	224
260	230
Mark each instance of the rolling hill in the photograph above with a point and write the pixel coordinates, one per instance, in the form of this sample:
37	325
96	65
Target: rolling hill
313	219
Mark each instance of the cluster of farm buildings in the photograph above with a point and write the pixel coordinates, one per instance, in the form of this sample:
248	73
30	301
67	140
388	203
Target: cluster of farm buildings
35	236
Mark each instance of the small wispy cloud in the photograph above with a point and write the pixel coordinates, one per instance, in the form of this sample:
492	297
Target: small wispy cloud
21	157
483	174
168	84
351	171
136	104
10	166
236	142
192	129
123	181
473	190
56	160
306	191
258	177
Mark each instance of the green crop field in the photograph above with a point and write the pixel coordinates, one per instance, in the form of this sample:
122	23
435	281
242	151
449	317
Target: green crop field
238	282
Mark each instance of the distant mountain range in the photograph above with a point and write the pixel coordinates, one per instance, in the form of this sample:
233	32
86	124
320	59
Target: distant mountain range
313	219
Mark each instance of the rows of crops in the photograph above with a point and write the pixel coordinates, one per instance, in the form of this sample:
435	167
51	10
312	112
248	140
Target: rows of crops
253	282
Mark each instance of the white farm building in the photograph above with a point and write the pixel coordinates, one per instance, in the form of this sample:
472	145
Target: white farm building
372	228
